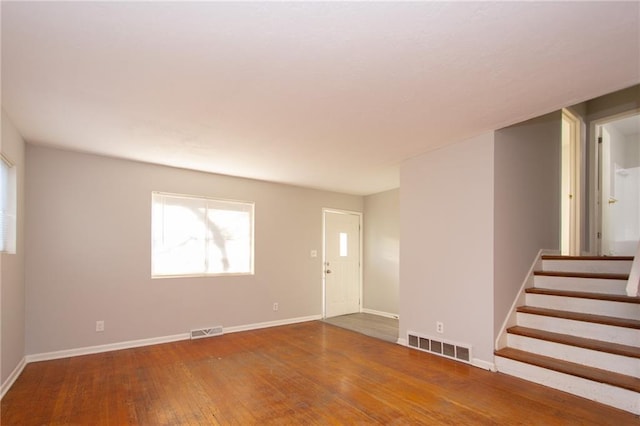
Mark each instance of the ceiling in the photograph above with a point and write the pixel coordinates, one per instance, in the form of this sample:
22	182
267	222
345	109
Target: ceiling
326	95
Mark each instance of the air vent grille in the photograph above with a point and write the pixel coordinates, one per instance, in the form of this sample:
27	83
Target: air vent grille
206	332
456	351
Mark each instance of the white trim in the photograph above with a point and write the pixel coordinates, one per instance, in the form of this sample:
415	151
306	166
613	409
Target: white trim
379	313
88	350
485	365
633	284
7	160
157	340
12	377
268	324
402	341
572	163
510	320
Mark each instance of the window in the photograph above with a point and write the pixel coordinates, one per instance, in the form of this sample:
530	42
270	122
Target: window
197	236
343	244
7	206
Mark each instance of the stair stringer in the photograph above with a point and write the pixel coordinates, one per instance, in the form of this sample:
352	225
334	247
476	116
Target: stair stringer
519	300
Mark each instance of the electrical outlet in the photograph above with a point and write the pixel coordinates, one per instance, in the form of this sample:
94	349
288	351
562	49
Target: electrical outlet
439	327
275	306
99	325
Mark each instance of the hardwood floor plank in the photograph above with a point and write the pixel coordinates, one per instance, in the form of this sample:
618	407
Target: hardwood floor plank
623	298
580	342
311	373
595	275
606	258
580	316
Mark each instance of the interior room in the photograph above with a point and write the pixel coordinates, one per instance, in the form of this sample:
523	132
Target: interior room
193	191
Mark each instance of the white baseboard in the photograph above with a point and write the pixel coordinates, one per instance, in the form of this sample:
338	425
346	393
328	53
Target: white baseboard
12	377
485	365
402	341
380	313
157	340
106	348
268	324
135	344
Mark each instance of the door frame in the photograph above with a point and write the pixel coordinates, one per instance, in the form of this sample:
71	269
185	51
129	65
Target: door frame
324	254
571	182
595	223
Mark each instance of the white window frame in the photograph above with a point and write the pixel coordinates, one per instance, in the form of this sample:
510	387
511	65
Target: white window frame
8	206
243	206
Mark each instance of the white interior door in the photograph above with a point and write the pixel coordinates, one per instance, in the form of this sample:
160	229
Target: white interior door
341	263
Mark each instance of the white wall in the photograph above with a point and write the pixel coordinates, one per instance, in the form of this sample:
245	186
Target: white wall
12	282
624	217
89	249
619	152
527	203
446	234
382	251
633	150
608	105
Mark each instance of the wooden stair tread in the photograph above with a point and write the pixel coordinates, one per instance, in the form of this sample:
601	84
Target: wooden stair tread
578	370
578	316
598	275
584	295
560	257
581	342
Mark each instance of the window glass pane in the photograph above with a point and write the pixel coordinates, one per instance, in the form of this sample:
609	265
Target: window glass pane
343	244
4	190
8	206
229	240
178	237
198	236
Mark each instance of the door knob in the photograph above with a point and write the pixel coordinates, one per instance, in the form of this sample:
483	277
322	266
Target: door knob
328	271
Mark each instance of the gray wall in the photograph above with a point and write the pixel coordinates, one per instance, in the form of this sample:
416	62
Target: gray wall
382	251
446	251
89	247
12	282
527	203
613	103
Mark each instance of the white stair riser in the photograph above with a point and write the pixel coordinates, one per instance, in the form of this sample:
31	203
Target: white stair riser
587	306
603	360
607	333
616	397
601	266
592	285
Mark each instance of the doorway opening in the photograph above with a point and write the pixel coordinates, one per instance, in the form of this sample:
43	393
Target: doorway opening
617	198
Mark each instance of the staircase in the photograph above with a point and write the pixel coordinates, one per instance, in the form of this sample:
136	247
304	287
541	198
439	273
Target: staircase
578	331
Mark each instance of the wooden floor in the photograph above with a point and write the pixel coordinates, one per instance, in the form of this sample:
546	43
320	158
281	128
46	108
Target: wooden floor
309	373
371	325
